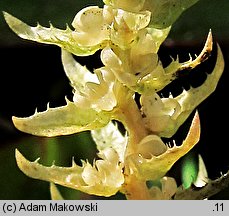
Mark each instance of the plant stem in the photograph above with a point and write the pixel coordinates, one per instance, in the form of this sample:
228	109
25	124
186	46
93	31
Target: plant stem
129	114
135	189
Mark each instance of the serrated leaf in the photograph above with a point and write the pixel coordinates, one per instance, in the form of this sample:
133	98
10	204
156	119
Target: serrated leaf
68	119
77	74
104	178
161	77
164	116
190	99
175	66
51	35
158	166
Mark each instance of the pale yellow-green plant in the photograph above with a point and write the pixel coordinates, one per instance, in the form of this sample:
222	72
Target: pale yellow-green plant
129	34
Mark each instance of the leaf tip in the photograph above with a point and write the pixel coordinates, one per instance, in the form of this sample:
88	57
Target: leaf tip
18	123
194	131
10	19
20	159
55	194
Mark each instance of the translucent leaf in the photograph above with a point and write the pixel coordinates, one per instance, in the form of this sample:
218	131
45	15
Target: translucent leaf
51	35
98	96
165	12
126	27
63	120
55	194
77	74
189	170
159	35
202	176
104	178
161	77
175	66
158	166
134	21
91	26
190	99
168	189
133	5
178	109
110	136
151	145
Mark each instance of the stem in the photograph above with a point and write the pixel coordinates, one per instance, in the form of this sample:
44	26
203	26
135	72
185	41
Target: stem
129	114
212	187
135	189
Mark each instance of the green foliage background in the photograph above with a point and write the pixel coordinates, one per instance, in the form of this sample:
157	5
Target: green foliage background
32	75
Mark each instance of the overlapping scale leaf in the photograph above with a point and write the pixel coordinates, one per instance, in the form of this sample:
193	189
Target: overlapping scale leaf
158	36
110	136
164	12
133	5
98	96
91	90
168	189
91	26
126	25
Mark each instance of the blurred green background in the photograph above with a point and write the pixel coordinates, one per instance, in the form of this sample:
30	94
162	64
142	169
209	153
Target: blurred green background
32	76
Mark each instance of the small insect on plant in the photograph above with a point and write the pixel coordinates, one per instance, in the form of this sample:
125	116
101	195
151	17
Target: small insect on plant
128	34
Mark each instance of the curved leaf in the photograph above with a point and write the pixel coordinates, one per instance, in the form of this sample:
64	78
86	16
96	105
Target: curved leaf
104	178
190	99
77	74
158	166
175	66
55	194
161	77
63	120
202	177
51	35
